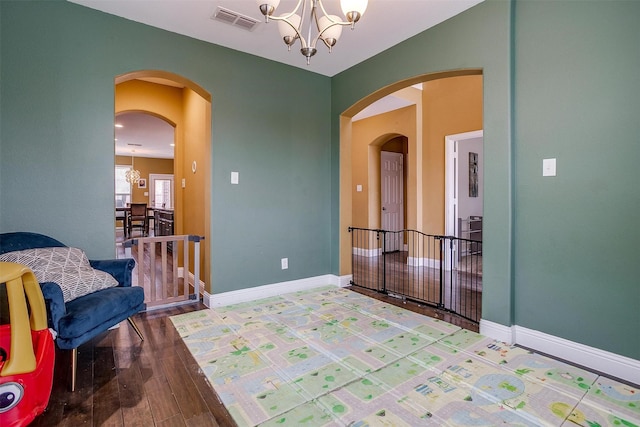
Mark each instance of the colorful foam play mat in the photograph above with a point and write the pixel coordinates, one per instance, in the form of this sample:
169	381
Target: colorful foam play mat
333	357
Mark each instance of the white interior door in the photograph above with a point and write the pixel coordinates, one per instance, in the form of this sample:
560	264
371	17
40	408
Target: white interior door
392	198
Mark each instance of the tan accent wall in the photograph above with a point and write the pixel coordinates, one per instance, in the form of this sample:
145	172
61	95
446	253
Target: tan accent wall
450	106
196	149
146	166
368	137
189	112
164	102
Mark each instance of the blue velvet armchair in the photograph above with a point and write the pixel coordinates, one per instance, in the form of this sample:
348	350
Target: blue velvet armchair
79	320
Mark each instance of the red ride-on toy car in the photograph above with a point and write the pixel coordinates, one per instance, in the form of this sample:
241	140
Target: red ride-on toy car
27	351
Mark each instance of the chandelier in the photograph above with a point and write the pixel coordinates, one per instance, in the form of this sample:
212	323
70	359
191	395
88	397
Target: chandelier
328	27
132	175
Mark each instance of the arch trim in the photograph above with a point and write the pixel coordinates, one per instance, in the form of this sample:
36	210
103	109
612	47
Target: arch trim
164	77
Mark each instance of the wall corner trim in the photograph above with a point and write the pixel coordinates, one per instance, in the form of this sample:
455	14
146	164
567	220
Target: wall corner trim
497	331
344	281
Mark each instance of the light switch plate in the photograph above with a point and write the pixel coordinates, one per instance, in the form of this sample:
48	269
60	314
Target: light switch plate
359	187
184	182
235	177
549	167
284	263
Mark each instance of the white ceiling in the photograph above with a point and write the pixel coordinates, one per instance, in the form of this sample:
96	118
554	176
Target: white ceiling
143	135
384	24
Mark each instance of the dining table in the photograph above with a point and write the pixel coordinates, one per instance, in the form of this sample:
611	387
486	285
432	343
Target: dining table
127	211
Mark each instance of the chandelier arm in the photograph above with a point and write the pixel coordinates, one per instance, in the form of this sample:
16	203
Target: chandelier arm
322	31
324	11
303	42
288	15
313	17
285	19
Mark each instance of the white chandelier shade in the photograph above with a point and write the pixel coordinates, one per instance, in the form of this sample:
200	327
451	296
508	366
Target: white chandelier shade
287	31
353	9
132	175
320	25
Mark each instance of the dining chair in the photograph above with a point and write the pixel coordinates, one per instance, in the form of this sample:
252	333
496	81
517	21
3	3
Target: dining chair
121	216
138	219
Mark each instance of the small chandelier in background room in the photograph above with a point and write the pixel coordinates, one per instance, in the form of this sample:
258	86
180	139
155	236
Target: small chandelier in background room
329	27
132	175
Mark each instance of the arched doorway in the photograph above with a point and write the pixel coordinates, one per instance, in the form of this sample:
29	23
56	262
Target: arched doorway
186	106
415	172
445	103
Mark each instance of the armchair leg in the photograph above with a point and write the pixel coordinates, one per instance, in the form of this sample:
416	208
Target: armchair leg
135	328
74	355
74	368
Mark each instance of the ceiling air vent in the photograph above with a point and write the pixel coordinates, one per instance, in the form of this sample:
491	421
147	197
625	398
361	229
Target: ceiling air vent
236	19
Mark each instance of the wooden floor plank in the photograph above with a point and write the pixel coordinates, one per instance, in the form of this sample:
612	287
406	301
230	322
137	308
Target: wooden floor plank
189	400
203	420
79	408
133	398
55	410
216	407
123	381
161	399
107	407
175	421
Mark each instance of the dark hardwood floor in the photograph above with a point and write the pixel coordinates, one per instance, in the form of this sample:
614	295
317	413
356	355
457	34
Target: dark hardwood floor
456	290
123	381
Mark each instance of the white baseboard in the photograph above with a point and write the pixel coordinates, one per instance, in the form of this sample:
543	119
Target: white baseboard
206	298
497	331
603	361
423	262
344	281
368	253
266	291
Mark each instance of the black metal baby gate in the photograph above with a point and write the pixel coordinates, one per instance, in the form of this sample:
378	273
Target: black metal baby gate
440	271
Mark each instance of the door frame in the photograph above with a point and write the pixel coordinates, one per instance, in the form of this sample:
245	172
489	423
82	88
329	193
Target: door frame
152	178
452	187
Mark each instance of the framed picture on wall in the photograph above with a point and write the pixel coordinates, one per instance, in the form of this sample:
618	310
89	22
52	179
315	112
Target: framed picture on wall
142	183
473	174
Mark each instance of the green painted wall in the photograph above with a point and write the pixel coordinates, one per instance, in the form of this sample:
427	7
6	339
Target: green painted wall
58	66
577	99
560	80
